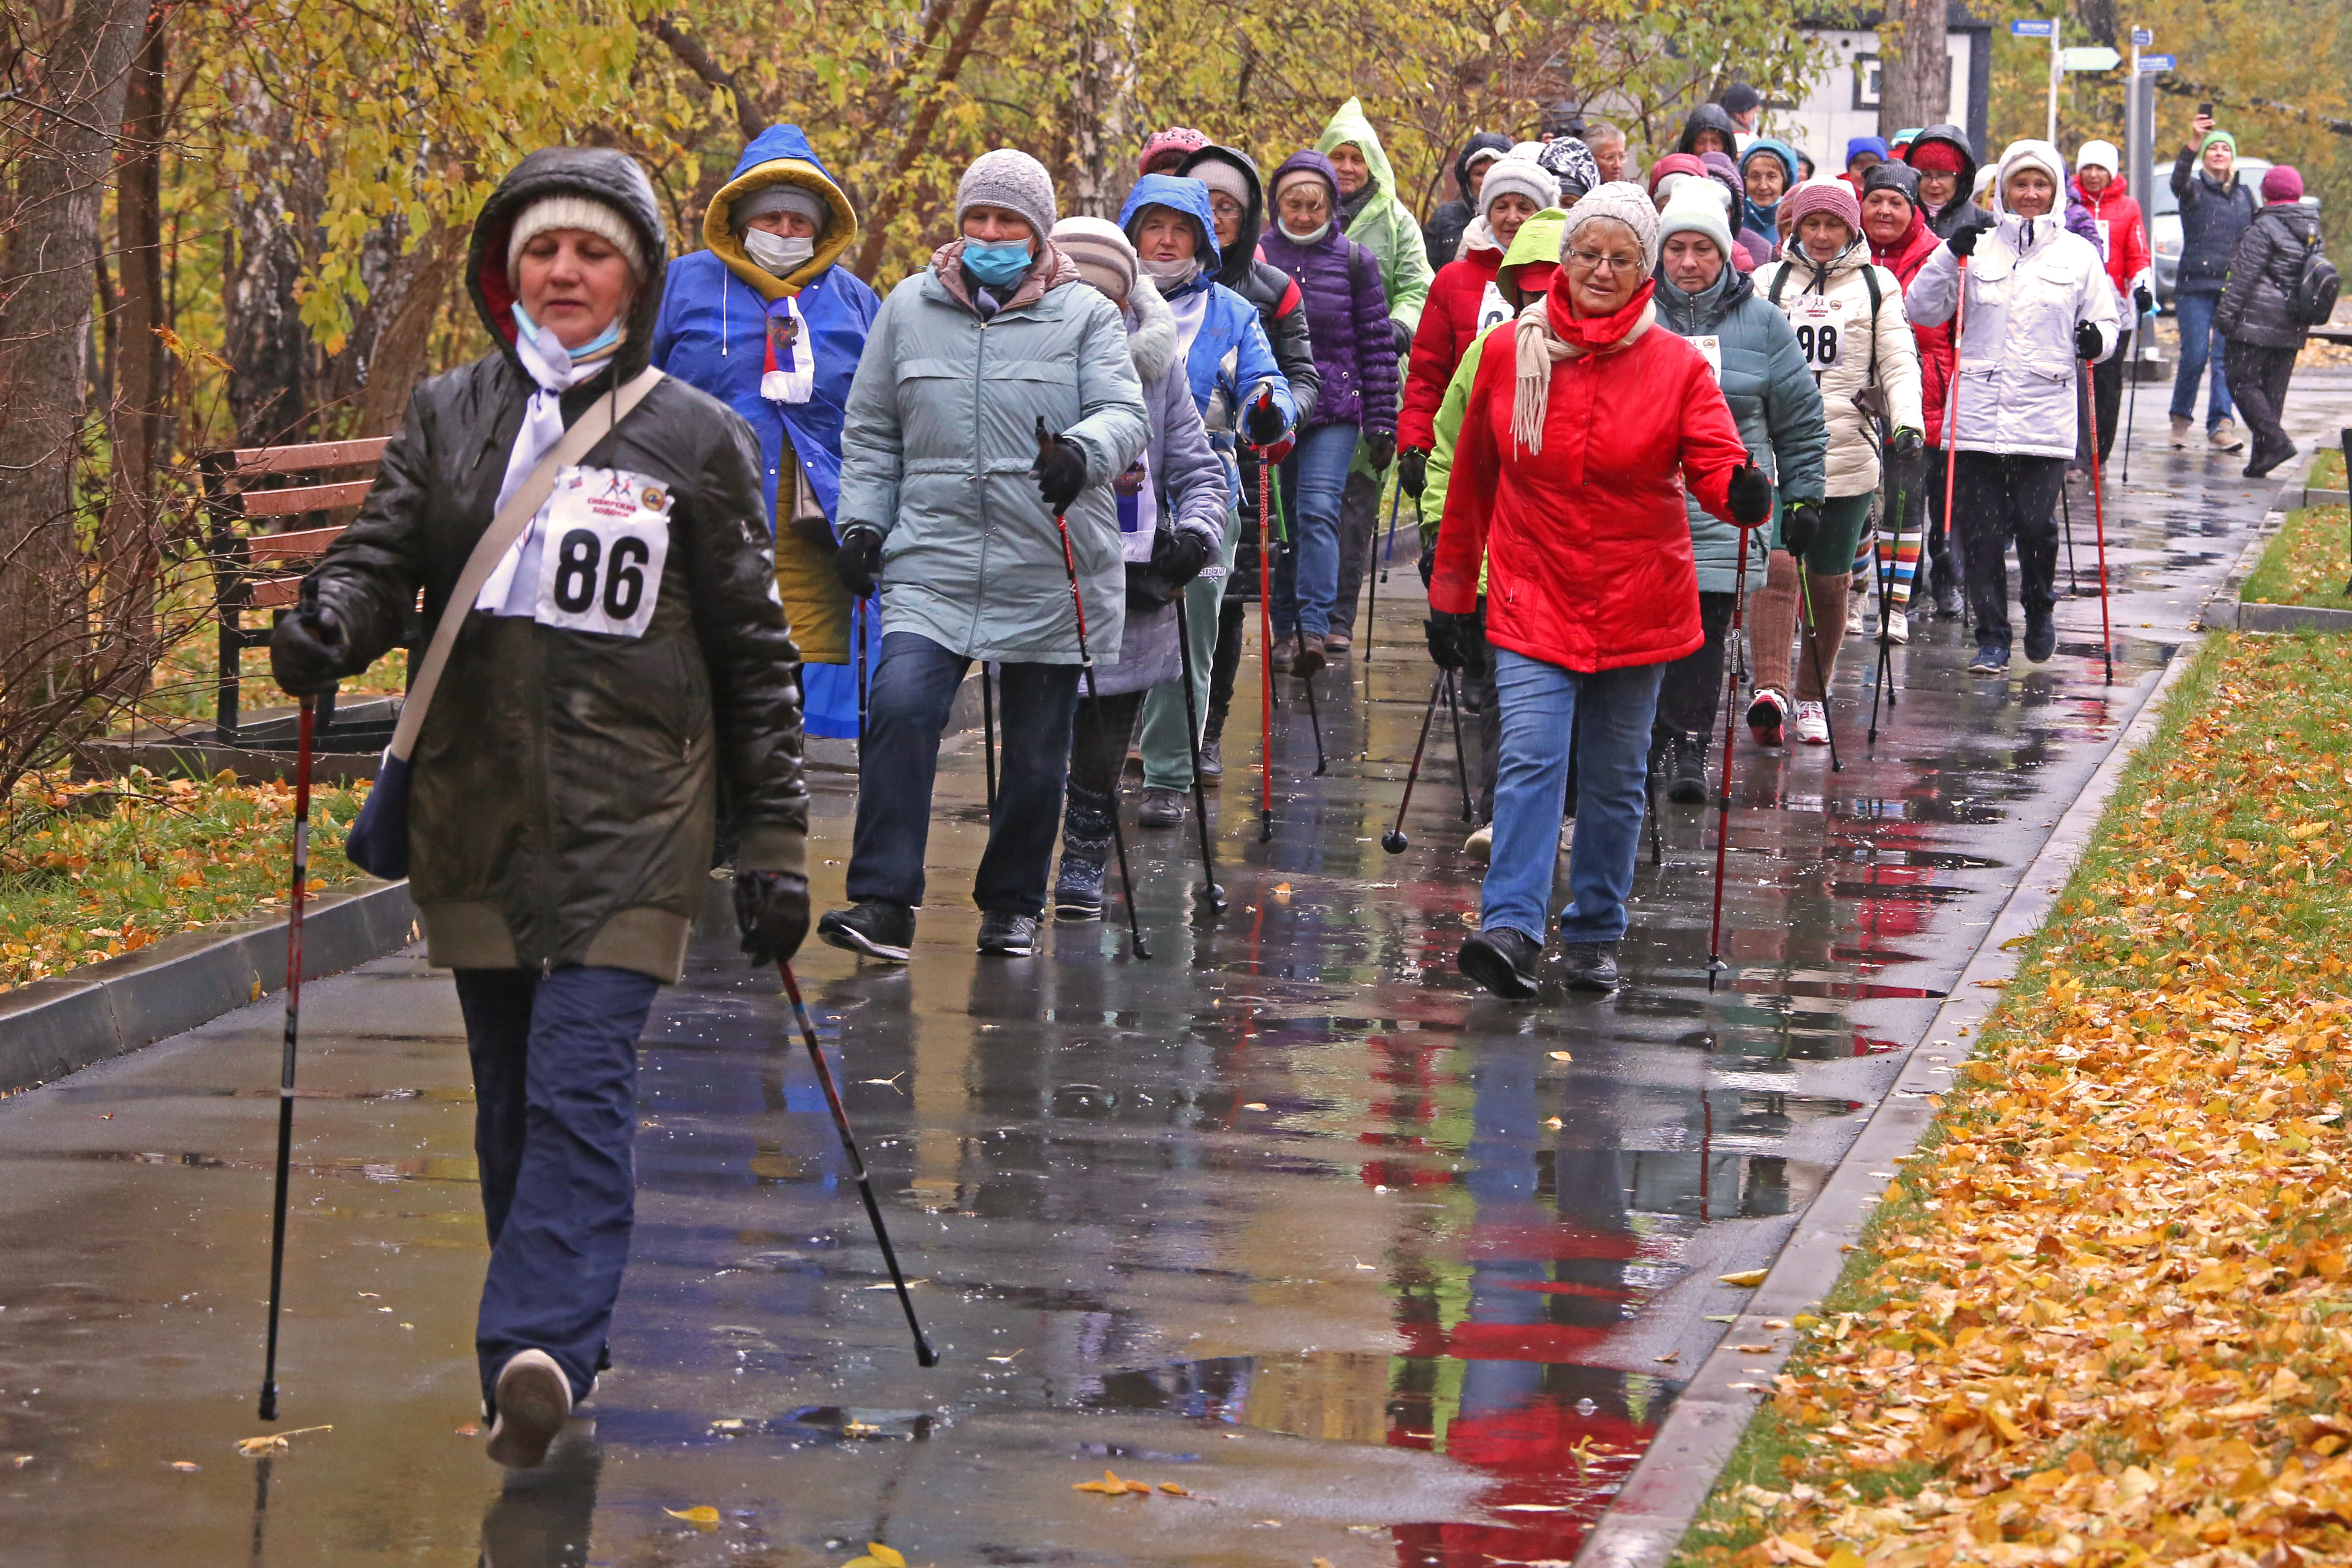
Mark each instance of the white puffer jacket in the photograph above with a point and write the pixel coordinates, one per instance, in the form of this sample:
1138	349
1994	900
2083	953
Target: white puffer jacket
1831	306
2028	283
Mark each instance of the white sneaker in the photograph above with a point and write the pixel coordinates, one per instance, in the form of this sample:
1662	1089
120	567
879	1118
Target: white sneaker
2224	437
1899	626
1857	605
1812	724
2181	425
1480	846
534	1402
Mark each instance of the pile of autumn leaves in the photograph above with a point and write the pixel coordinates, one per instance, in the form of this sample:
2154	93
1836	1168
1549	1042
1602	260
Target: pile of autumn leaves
2104	1316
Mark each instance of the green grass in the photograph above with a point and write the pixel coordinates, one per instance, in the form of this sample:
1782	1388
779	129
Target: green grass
2327	471
2306	561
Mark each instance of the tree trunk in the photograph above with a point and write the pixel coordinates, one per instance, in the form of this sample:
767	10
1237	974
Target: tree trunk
1103	111
398	360
143	368
918	139
1914	79
268	346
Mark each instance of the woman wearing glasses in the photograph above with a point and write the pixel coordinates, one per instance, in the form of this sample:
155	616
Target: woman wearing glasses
1584	425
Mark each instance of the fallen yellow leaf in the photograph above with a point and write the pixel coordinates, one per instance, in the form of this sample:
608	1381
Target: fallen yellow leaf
1109	1486
877	1556
702	1516
1750	1278
1172	1490
1562	1057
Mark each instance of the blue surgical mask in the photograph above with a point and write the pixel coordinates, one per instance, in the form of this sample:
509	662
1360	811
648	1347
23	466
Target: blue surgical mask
997	264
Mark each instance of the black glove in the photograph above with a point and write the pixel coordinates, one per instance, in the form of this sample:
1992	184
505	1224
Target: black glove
772	911
1380	449
1963	241
306	647
1263	424
1412	471
1177	557
858	561
1060	469
1909	447
1752	496
1456	642
2144	301
1800	524
2089	343
1428	562
1400	337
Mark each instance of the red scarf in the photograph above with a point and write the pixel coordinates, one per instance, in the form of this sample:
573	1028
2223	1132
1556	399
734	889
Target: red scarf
1592	333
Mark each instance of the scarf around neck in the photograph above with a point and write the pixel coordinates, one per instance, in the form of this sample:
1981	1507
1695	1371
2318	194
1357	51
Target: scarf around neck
1548	332
512	587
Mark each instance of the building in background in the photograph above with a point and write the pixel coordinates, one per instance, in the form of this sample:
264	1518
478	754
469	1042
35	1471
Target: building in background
1842	101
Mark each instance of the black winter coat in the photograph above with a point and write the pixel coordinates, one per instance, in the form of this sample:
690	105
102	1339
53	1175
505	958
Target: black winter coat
566	781
2262	275
1442	234
1961	211
2213	218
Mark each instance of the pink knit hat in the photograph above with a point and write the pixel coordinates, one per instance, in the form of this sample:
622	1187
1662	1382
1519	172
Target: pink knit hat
1823	196
2282	182
1175	138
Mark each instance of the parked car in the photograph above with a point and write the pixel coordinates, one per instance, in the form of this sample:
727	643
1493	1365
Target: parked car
2163	209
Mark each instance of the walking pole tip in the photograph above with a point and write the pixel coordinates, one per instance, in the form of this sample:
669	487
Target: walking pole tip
1395	841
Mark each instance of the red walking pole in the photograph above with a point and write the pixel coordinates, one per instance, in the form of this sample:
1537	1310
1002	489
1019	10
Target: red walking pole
2099	516
1952	421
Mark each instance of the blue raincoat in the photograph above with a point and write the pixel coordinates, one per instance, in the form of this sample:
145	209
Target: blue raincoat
713	333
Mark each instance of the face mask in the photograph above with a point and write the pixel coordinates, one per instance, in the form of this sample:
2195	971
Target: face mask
1170	275
596	345
778	253
1310	237
996	265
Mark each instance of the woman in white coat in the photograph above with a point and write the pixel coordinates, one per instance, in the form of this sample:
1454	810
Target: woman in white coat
2039	304
1850	326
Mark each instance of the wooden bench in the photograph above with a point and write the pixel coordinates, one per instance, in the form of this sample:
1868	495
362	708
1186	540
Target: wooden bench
263	571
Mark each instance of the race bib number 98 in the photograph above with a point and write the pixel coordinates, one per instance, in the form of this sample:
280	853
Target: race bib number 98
603	536
1817	335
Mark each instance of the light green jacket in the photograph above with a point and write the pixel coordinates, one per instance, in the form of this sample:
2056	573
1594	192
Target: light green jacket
1384	226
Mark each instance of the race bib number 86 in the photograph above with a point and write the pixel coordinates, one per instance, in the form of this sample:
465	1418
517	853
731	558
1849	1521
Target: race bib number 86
603	536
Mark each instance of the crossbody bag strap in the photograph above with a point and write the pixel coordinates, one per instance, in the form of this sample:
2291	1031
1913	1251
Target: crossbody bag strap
594	422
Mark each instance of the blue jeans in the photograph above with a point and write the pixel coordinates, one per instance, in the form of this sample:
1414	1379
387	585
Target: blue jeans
2199	347
555	1118
1313	476
914	685
1608	715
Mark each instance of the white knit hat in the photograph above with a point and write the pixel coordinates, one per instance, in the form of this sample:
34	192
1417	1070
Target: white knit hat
2098	155
574	211
1100	252
1626	203
1521	177
1694	209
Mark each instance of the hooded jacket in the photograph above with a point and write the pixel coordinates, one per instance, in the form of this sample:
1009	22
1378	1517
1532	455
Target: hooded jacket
1442	234
1347	314
1836	296
1962	209
1379	222
1536	245
2262	276
1709	117
2028	283
939	446
1772	396
2213	216
1280	311
2122	234
564	788
713	333
1765	220
1463	303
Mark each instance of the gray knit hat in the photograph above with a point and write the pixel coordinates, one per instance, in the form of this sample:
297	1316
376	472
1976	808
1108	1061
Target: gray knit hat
574	211
1101	253
1520	177
1009	178
1626	203
779	197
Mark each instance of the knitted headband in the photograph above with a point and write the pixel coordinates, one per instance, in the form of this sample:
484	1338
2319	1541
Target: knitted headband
572	211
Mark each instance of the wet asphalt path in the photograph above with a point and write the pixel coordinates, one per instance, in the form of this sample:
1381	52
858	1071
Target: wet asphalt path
1377	1269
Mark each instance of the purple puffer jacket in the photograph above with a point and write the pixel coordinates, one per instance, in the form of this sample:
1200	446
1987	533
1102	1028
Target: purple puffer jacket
1347	313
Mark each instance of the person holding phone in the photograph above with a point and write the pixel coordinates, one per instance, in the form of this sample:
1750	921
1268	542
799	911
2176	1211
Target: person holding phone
2216	209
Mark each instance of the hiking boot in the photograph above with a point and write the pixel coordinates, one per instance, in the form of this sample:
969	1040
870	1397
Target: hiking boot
1285	650
1812	724
1078	890
2181	425
1308	661
534	1404
1766	715
1007	933
873	928
1899	627
1686	775
1162	807
2261	466
1590	966
1503	961
2224	437
1335	644
1480	846
1948	606
2041	637
1857	609
1992	659
1213	764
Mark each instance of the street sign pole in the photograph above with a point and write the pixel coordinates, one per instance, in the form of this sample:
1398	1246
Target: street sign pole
2057	75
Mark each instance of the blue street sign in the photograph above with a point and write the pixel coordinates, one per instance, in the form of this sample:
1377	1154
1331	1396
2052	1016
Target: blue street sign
2031	28
2149	63
2142	38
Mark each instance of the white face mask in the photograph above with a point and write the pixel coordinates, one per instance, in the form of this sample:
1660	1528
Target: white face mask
1170	275
777	253
1310	237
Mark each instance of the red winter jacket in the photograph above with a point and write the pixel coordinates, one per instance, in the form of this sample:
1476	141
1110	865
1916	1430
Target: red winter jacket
1449	325
1587	543
1908	254
2122	230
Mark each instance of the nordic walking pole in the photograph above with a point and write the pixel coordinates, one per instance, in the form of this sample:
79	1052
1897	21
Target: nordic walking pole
1461	764
1264	652
1812	642
1715	964
2066	516
924	1355
2099	521
988	733
1209	891
1315	722
1883	672
1371	604
1952	424
861	677
296	894
2132	370
1394	840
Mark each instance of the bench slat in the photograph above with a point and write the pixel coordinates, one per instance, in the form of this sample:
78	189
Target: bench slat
276	594
303	497
316	455
298	546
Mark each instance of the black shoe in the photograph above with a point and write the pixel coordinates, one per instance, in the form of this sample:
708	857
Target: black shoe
2261	466
1948	603
1992	659
1688	770
1591	965
2040	638
1503	961
1007	933
1162	807
1213	764
876	928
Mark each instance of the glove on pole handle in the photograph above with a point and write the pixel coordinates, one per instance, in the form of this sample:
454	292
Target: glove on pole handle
296	894
1264	650
924	1355
1214	894
2099	520
1715	964
1394	840
1102	739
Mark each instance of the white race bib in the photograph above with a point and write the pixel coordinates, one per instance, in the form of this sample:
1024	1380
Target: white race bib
1820	331
1493	310
1711	347
603	537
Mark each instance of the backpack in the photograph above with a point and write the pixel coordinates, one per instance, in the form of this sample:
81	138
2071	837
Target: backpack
2312	300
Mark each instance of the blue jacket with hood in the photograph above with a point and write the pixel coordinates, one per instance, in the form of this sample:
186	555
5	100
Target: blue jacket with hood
713	333
1227	357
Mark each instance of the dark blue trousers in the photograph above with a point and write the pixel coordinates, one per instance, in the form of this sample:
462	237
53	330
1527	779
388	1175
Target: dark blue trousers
914	687
555	1117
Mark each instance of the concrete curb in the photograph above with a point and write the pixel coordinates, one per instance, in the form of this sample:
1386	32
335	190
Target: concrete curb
2225	609
52	1027
1645	1523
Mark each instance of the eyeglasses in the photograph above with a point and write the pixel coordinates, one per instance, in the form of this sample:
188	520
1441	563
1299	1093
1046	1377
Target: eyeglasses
1226	207
1594	261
